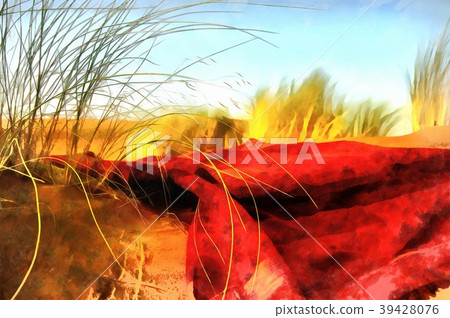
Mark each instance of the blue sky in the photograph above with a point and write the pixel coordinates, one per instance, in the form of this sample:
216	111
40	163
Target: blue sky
370	60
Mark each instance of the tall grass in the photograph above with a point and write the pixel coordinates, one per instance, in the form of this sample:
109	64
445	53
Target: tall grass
315	110
430	85
59	57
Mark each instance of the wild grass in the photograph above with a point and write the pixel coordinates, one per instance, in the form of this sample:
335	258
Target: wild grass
315	110
60	58
430	85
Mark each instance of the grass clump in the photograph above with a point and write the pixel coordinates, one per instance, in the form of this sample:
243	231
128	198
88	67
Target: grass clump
62	58
430	85
314	110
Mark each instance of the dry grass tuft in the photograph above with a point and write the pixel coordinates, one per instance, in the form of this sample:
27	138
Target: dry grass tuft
430	86
313	110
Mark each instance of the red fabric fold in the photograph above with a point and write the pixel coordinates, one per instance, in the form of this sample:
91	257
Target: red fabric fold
372	222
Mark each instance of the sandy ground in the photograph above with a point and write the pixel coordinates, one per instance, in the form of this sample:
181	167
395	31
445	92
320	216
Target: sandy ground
177	126
434	137
73	260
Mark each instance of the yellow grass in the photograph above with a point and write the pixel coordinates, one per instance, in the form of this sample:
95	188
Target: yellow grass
430	86
313	110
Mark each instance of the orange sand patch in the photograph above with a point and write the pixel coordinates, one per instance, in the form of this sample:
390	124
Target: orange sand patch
72	253
433	137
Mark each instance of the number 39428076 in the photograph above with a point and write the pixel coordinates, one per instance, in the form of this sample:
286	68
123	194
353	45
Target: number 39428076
409	309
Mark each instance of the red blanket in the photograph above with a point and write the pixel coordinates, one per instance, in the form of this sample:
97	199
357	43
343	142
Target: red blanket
370	223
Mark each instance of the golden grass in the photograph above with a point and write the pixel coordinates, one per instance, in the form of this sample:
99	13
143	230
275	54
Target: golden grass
313	110
430	85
